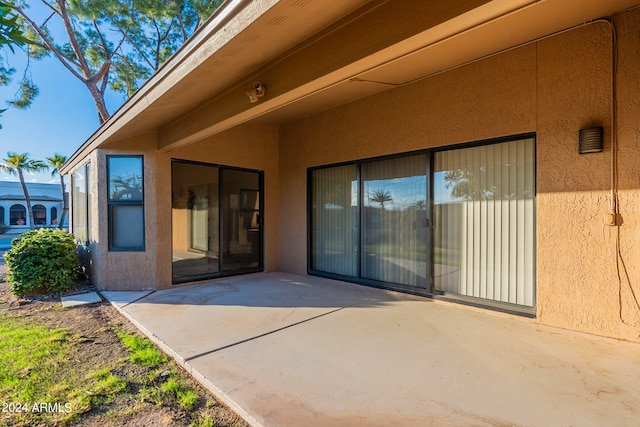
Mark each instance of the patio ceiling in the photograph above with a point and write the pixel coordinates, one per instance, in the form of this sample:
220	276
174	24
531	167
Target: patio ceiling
202	90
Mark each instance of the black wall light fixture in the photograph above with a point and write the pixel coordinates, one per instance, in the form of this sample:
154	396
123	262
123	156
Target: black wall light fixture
590	140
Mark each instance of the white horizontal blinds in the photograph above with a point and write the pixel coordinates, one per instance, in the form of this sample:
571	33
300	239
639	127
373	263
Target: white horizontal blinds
484	222
394	226
334	239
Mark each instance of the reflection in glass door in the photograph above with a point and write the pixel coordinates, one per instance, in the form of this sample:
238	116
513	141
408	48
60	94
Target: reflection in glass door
216	221
195	215
484	222
241	220
394	221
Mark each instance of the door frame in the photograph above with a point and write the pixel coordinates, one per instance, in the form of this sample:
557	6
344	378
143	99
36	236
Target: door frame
221	272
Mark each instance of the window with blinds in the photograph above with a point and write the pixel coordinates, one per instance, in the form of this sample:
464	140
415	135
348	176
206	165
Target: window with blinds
394	220
371	221
484	220
334	220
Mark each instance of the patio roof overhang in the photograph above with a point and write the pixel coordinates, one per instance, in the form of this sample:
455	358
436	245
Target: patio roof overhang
313	55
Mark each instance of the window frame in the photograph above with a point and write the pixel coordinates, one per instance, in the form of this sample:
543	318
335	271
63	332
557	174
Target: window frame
39	207
53	217
430	290
221	271
114	204
86	169
23	211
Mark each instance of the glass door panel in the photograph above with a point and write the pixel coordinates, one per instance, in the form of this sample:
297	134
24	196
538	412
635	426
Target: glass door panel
395	221
195	220
241	220
334	220
484	222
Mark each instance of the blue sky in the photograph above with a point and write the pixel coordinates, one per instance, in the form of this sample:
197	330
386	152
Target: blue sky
61	118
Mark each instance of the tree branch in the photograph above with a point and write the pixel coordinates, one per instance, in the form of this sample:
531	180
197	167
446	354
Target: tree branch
48	45
183	30
133	44
73	40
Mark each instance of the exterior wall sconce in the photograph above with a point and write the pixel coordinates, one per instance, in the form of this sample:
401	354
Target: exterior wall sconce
590	140
257	92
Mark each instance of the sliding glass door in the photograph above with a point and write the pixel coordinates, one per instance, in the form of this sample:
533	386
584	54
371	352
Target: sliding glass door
216	221
195	220
241	220
370	221
394	220
484	215
334	220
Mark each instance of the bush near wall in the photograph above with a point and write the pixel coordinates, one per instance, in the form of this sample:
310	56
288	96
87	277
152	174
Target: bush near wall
42	261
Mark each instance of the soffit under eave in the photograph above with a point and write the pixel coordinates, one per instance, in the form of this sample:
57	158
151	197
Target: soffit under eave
355	43
504	32
310	98
184	82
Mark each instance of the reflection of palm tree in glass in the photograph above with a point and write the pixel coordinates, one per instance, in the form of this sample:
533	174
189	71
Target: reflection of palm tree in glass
472	184
381	196
420	204
127	188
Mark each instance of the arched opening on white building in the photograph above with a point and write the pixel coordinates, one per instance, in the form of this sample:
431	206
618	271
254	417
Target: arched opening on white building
39	215
17	215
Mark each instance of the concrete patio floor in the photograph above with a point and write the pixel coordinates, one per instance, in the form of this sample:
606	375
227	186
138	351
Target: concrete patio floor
282	350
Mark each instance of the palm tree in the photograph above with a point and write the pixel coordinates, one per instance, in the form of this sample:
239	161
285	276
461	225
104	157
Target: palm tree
381	196
15	164
56	161
420	204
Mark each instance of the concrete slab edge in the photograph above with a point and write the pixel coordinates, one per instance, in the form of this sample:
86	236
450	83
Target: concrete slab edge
202	379
118	299
224	397
79	300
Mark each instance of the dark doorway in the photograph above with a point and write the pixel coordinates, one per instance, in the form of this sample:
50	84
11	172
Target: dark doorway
216	221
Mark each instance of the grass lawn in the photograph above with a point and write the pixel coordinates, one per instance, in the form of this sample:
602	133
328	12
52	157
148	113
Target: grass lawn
88	366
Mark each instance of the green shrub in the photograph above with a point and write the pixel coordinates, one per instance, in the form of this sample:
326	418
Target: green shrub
41	261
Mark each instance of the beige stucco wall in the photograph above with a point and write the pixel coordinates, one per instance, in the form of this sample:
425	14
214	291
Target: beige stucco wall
465	104
251	147
576	262
628	132
125	270
552	87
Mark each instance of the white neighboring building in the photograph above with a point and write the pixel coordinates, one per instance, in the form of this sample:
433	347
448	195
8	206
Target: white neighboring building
46	202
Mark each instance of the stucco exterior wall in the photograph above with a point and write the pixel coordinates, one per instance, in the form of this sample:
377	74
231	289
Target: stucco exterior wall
628	133
250	147
552	87
463	105
576	252
125	270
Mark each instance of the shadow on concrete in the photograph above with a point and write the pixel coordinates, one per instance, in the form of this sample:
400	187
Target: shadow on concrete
278	290
291	350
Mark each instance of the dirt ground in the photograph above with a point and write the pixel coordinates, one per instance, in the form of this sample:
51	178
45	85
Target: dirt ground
99	347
